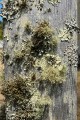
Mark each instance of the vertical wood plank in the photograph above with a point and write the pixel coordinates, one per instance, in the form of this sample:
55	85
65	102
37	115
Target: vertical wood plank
63	96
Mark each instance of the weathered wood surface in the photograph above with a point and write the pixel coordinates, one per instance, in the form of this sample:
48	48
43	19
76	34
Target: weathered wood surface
78	16
63	96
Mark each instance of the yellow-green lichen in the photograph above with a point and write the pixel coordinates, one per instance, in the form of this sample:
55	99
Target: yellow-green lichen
52	68
24	22
23	50
41	64
44	39
19	54
26	98
1	55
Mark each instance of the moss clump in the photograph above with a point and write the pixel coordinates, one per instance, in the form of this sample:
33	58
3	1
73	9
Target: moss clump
44	39
52	68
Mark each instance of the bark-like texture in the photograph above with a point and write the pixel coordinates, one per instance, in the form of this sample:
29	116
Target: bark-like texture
64	95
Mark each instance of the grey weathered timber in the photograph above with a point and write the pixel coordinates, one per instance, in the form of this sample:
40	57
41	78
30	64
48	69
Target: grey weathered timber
78	16
64	106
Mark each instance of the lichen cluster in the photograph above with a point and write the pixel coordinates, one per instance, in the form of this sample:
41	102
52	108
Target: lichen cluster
68	31
71	53
12	8
44	39
27	99
39	61
54	1
65	34
51	68
1	56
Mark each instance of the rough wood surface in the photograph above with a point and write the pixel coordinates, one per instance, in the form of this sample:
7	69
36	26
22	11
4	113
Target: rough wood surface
63	96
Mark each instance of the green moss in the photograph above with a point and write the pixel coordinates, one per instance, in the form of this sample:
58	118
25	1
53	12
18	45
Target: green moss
39	58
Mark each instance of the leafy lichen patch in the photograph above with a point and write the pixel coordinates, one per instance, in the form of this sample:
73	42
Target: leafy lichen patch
28	101
54	1
44	39
22	51
65	34
52	68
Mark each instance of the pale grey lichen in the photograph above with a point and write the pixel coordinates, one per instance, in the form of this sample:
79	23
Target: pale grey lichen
71	54
65	34
54	1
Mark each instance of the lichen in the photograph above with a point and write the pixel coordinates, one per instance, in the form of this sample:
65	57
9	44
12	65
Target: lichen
39	63
71	53
28	101
44	39
52	68
18	54
1	56
54	1
21	51
65	34
12	7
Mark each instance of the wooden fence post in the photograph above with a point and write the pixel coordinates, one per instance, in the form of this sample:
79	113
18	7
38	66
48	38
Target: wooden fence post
61	16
